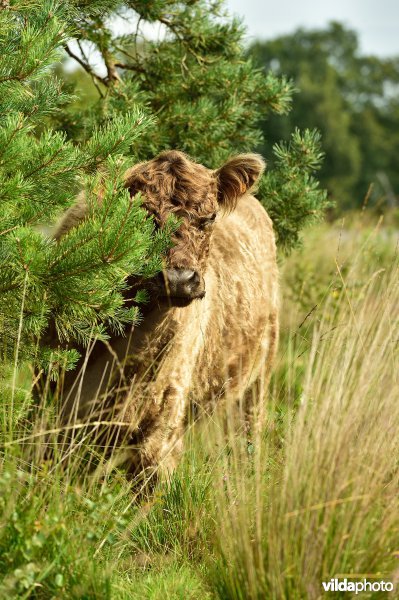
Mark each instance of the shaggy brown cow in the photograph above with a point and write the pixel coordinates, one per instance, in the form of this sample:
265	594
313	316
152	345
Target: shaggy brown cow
212	328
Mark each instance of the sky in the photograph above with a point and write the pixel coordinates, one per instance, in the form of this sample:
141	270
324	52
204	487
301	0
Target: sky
376	21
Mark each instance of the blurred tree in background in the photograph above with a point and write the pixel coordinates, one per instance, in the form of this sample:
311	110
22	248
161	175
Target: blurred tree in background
352	99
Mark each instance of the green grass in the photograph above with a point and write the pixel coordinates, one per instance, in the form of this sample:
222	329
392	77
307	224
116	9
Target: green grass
311	494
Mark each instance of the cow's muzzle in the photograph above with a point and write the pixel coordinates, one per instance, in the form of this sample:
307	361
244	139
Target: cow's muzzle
185	284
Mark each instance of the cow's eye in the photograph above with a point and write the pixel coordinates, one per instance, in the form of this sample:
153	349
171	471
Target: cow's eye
156	223
206	221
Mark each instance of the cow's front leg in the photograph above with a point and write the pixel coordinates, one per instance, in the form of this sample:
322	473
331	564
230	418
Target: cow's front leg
157	443
162	442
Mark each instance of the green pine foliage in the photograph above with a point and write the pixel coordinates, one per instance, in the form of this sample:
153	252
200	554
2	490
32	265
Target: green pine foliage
206	96
79	281
290	192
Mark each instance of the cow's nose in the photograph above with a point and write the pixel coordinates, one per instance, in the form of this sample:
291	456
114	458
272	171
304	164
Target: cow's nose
181	276
183	282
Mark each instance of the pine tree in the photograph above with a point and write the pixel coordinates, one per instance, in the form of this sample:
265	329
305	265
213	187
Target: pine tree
192	89
80	280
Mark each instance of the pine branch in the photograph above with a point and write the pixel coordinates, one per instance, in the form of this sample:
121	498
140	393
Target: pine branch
112	73
86	66
130	67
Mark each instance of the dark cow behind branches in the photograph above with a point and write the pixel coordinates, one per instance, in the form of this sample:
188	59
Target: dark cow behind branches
212	326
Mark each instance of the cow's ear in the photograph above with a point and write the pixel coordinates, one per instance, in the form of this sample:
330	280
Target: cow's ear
237	176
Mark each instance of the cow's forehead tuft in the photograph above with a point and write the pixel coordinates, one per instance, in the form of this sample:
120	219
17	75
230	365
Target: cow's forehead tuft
172	181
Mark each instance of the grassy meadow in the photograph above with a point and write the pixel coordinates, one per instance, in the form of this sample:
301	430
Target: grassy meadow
310	494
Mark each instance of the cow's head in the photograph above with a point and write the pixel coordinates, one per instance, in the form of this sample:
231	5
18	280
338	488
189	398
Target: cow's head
172	184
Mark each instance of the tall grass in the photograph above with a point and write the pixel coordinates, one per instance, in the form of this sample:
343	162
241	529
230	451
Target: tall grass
329	507
309	494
